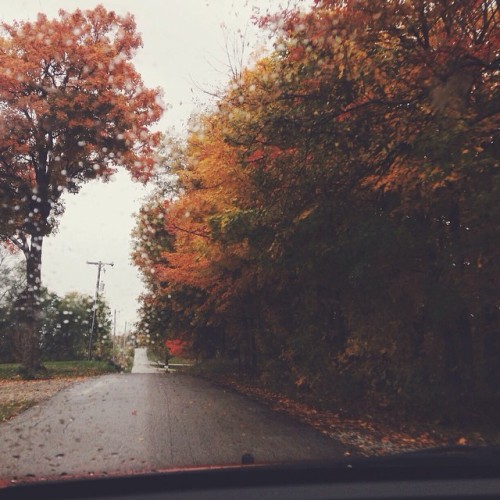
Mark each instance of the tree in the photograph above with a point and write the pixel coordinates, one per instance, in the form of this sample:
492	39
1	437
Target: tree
177	348
372	137
66	327
72	109
338	218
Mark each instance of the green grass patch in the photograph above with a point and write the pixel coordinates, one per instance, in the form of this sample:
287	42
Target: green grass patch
78	368
211	367
9	410
59	369
9	371
180	361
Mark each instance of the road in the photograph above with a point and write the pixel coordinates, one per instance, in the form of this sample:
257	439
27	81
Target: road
142	363
149	421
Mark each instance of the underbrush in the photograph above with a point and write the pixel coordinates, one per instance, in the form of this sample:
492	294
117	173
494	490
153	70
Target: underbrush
124	360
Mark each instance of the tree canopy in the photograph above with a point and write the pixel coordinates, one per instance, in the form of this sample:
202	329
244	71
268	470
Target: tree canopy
336	221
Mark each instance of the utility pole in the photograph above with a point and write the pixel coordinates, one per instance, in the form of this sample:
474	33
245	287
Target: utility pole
99	265
114	335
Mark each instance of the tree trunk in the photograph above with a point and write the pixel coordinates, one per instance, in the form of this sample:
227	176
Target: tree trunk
32	241
30	310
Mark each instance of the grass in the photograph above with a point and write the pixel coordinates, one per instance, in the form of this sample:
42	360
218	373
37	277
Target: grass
214	367
180	361
58	369
9	371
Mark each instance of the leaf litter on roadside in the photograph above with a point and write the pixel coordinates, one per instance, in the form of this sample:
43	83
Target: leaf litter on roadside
365	436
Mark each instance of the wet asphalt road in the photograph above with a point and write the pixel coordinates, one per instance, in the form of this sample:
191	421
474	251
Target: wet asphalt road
149	421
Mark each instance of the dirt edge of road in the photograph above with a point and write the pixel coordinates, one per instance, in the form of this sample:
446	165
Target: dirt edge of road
17	396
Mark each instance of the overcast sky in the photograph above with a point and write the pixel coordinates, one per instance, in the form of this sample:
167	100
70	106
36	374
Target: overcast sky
184	51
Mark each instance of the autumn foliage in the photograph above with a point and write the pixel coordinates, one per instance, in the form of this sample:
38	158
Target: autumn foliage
177	348
335	221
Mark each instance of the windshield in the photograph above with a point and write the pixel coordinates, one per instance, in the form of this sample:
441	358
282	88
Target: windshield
246	232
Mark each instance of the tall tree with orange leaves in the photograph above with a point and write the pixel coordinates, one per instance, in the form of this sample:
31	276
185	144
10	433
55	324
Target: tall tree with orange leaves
72	109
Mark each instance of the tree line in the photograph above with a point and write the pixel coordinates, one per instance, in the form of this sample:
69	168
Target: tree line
335	219
65	324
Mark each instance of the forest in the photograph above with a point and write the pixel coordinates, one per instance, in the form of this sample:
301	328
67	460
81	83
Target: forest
331	226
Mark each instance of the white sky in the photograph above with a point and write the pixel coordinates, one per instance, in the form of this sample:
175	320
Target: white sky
184	48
